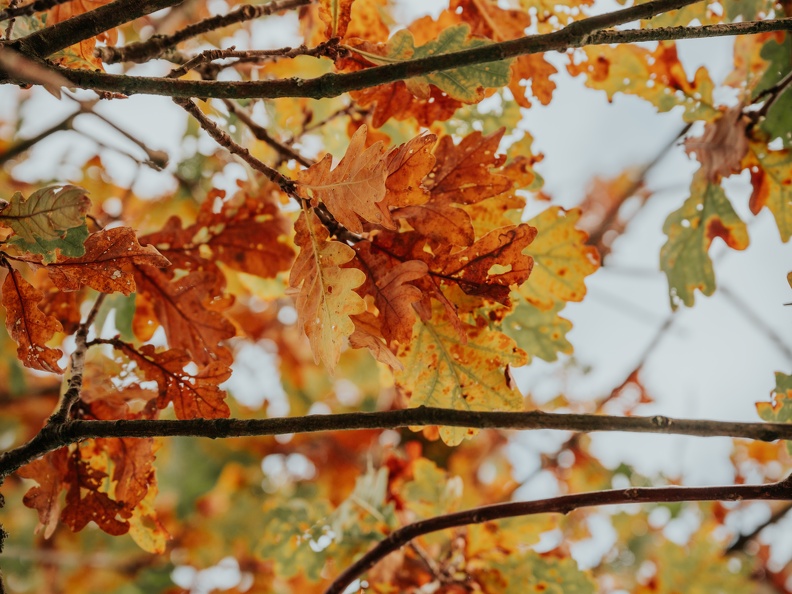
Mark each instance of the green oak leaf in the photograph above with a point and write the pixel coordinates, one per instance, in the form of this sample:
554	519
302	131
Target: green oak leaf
464	84
50	219
778	121
706	214
538	332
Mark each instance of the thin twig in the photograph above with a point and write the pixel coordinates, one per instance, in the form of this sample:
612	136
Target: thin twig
333	85
260	133
24	145
328	49
77	430
10	27
143	51
564	504
224	140
744	539
770	96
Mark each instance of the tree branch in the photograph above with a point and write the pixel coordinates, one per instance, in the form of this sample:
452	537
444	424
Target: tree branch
333	85
564	504
28	9
76	430
49	40
143	51
224	140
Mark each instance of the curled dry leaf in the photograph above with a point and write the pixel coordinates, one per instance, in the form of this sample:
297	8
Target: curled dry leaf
721	148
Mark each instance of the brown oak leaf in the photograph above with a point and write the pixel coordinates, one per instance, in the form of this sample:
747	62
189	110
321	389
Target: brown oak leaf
194	395
721	148
184	310
28	325
49	472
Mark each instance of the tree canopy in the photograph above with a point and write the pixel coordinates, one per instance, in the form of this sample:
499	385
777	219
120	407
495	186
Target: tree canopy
356	229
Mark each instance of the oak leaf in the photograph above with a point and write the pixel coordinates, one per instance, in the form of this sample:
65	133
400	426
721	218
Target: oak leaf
562	259
779	409
194	394
325	298
407	166
540	333
657	76
392	289
705	215
86	501
352	190
443	371
28	325
336	14
51	219
49	472
466	84
487	19
107	264
183	309
771	178
723	145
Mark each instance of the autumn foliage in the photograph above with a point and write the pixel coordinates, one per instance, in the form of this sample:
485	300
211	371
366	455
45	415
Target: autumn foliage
387	246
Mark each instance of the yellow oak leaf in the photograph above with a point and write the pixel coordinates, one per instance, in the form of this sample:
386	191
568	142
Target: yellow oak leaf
657	76
325	299
442	370
562	259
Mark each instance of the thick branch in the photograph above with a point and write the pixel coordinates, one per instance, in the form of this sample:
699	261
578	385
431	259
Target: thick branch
333	85
49	40
145	50
564	504
28	9
74	431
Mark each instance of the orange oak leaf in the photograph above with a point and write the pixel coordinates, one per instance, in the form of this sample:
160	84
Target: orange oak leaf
107	263
80	55
49	472
367	335
394	100
721	148
184	310
407	166
248	234
469	268
28	325
85	499
352	190
463	172
336	14
392	290
194	394
325	298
